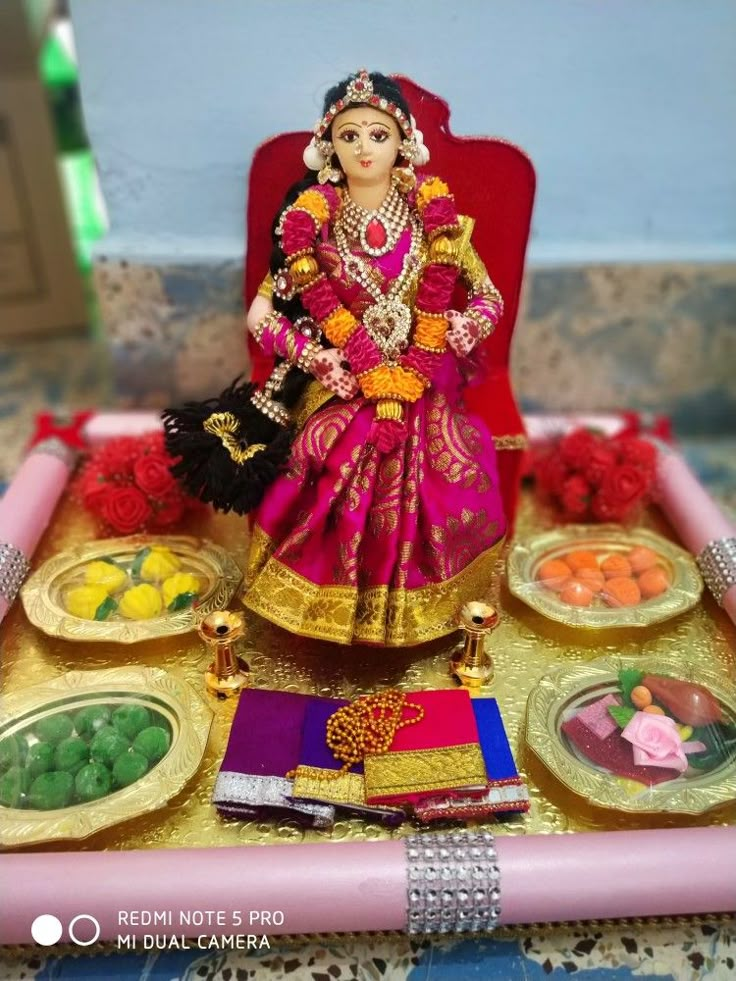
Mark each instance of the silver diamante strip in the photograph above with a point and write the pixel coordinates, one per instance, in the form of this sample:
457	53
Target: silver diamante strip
454	883
717	563
58	448
14	567
233	789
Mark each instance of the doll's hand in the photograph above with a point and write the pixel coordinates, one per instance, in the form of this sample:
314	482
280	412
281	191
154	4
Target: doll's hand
330	368
463	333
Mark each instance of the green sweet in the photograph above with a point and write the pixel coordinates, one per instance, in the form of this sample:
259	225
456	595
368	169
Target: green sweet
50	791
40	759
90	720
130	719
54	728
153	743
13	751
71	754
92	782
128	768
13	785
107	745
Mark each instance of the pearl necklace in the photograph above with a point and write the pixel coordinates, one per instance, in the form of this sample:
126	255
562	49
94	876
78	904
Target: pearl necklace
377	231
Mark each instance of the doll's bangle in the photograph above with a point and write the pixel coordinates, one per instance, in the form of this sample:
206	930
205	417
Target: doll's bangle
307	355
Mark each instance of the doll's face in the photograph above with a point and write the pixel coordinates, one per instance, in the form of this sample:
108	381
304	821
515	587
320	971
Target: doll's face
366	142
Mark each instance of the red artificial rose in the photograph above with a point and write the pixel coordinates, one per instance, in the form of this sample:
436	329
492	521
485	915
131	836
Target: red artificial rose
576	448
169	509
93	489
126	509
575	496
551	473
152	474
638	452
604	509
622	487
602	458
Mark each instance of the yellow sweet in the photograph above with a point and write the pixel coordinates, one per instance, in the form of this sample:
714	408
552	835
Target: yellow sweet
140	602
181	582
159	564
110	577
84	601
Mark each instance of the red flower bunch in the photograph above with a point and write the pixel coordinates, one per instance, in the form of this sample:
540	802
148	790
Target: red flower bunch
127	484
595	478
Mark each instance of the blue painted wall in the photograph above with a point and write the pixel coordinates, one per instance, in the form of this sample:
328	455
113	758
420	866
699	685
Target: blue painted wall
627	108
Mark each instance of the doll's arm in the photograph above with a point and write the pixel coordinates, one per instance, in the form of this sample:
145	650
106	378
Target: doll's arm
275	334
484	308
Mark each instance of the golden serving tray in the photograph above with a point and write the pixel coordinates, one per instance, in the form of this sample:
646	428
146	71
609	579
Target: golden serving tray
527	554
525	646
42	595
572	687
188	718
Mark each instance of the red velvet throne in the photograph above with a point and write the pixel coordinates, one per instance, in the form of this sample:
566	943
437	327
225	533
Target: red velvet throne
493	181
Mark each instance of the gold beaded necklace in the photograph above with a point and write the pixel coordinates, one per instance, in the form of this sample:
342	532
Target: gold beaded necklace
366	726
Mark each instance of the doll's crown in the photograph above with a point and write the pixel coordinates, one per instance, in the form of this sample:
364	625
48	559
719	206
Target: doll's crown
360	89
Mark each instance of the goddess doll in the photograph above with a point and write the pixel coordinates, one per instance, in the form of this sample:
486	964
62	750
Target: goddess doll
388	515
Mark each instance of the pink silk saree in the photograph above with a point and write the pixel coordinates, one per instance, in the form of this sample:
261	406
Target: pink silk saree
354	546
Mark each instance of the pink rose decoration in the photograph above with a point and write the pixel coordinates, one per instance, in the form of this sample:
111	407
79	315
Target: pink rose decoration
657	742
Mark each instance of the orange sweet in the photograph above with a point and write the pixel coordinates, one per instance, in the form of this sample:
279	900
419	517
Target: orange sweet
576	594
581	560
592	578
654	710
641	697
621	591
554	574
653	582
641	558
615	566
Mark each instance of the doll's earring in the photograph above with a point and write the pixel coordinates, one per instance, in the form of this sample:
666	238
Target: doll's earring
330	173
404	178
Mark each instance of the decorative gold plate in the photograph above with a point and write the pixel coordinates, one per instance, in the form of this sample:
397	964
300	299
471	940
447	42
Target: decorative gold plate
558	694
173	700
43	594
526	556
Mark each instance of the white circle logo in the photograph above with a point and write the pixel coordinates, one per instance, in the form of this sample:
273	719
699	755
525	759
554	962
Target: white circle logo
46	930
78	919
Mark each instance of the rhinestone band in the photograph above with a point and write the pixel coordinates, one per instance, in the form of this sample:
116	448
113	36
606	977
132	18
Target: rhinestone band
58	448
14	567
454	883
717	563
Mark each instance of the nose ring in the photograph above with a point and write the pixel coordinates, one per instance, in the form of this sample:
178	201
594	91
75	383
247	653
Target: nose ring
358	150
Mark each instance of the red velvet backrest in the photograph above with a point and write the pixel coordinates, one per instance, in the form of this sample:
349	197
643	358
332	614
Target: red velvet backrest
493	181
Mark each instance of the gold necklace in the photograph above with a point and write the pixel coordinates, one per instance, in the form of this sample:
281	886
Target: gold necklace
376	230
388	320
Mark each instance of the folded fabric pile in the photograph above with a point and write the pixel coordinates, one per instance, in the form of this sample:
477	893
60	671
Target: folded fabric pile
437	754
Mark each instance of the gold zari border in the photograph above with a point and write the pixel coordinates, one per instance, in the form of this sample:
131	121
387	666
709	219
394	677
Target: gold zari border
517	441
348	788
346	614
419	771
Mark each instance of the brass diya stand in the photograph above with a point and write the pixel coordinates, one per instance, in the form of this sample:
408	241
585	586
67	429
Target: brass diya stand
228	674
471	663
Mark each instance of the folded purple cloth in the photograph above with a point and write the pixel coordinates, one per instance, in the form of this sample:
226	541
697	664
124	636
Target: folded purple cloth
264	746
314	779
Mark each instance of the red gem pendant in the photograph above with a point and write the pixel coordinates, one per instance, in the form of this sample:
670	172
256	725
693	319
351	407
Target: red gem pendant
375	234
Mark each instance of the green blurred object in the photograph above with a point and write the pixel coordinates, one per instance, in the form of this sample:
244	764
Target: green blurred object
56	65
85	206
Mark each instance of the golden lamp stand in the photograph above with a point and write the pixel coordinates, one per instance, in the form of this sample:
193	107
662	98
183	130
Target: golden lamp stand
228	674
471	662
